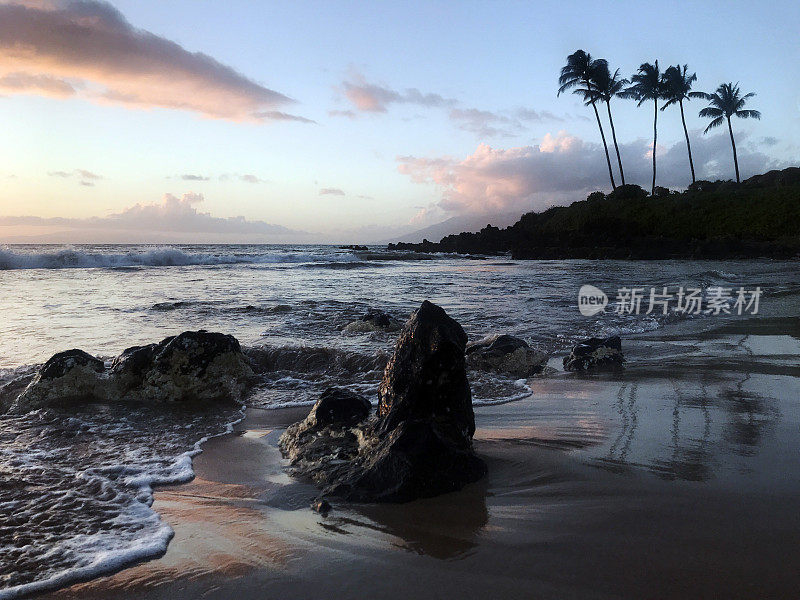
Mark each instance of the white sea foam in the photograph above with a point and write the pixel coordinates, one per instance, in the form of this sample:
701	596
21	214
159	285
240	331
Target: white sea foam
98	501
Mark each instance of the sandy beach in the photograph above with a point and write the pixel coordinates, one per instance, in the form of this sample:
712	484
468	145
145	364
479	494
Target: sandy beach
581	501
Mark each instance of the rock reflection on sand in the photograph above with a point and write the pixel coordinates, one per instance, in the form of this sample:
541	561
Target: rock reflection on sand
693	413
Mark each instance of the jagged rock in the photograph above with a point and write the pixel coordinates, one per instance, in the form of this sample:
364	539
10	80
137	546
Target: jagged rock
373	320
506	354
596	353
420	442
193	366
426	378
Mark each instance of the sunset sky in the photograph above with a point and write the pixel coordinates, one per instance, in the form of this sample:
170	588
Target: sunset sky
178	120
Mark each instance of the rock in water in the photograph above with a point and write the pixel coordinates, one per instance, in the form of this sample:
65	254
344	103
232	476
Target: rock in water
69	376
420	442
193	366
373	320
596	353
505	354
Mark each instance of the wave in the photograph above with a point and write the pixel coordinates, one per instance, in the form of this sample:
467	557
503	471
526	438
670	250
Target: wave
92	509
159	257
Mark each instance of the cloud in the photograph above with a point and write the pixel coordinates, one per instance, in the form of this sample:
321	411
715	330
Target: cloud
44	85
370	97
484	123
563	168
331	192
190	177
342	113
244	177
249	178
527	114
87	49
172	214
87	177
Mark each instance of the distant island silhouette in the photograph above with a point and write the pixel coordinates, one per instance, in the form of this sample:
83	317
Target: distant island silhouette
759	217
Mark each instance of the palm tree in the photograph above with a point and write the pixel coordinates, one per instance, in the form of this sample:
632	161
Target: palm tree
677	88
648	84
578	71
605	87
727	102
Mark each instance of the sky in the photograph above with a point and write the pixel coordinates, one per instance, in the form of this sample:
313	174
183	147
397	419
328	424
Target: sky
355	122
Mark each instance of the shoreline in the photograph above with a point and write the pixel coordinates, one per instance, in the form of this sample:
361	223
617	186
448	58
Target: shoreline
546	521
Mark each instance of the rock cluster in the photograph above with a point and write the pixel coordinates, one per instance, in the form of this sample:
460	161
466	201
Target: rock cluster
594	354
420	442
505	354
192	366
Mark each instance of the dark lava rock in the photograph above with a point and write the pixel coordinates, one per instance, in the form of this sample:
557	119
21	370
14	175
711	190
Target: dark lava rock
505	354
63	362
420	443
596	353
417	459
193	366
426	378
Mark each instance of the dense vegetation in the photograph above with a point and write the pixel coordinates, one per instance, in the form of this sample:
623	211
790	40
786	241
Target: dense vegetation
723	219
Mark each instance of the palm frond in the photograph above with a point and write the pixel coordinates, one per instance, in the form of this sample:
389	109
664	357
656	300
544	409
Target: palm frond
748	114
715	123
711	112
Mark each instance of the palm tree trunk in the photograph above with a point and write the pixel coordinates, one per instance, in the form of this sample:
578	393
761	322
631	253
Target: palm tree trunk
605	146
616	146
655	139
688	145
733	144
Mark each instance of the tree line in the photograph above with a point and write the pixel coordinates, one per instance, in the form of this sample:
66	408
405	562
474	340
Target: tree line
592	79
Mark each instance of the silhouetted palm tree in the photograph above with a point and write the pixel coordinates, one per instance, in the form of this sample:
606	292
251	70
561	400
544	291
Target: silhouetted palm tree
578	71
677	88
647	84
727	102
605	87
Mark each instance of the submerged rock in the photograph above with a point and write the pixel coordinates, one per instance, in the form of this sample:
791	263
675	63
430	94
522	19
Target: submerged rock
420	442
505	354
596	353
193	366
373	320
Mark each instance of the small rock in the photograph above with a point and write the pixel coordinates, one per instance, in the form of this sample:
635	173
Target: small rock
321	506
505	354
373	320
596	353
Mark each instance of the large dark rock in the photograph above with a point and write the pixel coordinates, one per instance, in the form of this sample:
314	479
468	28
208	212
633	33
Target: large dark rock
339	406
505	354
416	459
596	353
420	442
193	366
426	378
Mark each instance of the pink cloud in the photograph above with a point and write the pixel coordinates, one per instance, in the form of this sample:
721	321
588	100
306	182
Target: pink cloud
563	168
86	48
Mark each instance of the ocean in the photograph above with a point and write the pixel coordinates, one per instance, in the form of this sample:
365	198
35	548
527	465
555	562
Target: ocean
76	484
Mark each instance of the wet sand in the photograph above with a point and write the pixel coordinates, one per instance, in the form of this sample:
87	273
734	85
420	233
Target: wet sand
678	479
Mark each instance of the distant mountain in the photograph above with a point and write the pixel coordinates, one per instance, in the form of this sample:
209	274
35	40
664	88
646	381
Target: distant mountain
454	225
